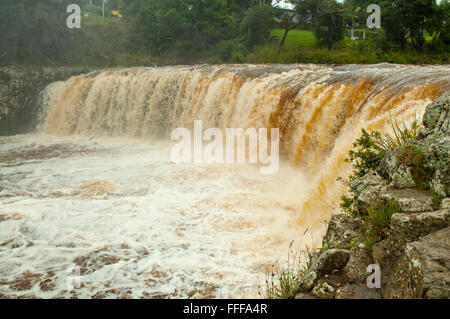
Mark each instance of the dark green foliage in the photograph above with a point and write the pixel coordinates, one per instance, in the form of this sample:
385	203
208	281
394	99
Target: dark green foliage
377	219
329	23
406	20
31	31
348	205
367	154
215	31
257	25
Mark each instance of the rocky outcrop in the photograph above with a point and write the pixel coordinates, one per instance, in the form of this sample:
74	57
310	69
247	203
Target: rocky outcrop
20	88
414	252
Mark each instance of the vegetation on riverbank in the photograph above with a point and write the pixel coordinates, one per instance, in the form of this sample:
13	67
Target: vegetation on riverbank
163	32
302	47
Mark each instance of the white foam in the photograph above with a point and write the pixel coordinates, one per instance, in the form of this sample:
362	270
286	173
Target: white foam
137	224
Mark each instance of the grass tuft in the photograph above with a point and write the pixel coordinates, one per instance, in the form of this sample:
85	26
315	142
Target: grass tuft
401	133
282	280
377	220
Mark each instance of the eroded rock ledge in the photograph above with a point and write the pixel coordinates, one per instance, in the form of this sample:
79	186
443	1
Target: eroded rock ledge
19	94
414	256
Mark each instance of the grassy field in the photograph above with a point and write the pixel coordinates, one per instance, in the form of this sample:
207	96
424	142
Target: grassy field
296	38
302	47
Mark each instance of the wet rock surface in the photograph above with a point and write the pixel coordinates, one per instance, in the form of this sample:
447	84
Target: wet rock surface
20	89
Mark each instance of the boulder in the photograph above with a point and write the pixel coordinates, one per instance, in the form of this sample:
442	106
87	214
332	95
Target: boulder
331	260
342	230
411	200
434	253
436	119
368	189
403	178
445	203
404	228
409	227
356	268
307	282
423	270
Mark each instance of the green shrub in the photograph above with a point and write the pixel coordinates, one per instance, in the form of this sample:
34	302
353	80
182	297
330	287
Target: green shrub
377	220
367	154
348	205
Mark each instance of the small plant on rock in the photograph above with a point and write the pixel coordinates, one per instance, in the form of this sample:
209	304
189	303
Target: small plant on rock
377	220
367	154
413	156
401	134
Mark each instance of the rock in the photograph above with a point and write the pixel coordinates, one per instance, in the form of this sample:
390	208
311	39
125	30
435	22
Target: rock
411	200
323	290
356	268
370	195
392	169
402	178
368	189
372	179
404	228
437	116
445	203
308	281
439	162
423	270
409	227
352	291
434	253
437	293
343	229
20	89
406	280
333	259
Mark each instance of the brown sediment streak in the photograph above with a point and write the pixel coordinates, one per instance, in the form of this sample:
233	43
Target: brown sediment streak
320	110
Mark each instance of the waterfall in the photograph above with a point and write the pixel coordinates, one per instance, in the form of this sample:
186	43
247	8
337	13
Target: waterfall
319	110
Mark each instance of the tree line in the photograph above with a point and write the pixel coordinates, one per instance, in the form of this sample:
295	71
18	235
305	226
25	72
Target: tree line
210	31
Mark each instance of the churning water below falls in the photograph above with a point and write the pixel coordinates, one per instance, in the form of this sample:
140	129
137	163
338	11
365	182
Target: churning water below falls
95	186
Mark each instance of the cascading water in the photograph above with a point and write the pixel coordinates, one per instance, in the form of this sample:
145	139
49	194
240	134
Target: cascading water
96	187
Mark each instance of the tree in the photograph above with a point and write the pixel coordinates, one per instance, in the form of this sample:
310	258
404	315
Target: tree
407	19
304	12
257	25
34	31
329	22
439	24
